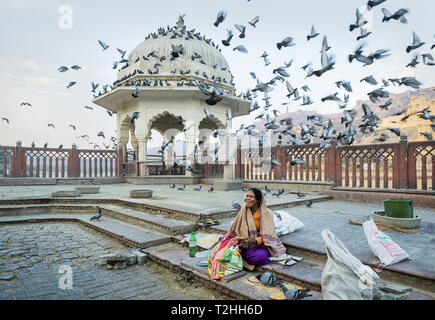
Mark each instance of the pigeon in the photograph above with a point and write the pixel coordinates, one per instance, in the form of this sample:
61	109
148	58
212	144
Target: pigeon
45	145
33	144
72	126
220	18
62	69
88	107
76	67
189	168
364	34
210	190
297	161
236	205
313	34
309	203
294	294
278	193
267	189
5	119
122	52
172	186
396	131
427	135
360	21
241	29
70	84
254	21
370	79
374	3
105	46
398	15
197	188
182	188
286	42
51	125
416	43
25	104
226	42
97	216
267	278
135	94
240	48
135	116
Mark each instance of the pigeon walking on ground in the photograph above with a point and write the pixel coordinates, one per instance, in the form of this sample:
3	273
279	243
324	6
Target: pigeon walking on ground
294	294
300	194
172	186
182	188
309	203
97	216
236	205
211	189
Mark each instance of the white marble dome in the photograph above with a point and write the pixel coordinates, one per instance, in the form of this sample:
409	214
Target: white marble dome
193	43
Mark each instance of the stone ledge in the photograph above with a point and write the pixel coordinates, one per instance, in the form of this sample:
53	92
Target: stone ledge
227	185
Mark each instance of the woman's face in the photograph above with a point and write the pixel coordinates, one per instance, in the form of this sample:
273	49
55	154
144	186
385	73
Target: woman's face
250	199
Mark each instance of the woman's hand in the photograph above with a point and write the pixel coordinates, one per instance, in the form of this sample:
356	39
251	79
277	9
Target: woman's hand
248	243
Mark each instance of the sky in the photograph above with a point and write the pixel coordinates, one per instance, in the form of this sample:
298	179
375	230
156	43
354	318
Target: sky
37	37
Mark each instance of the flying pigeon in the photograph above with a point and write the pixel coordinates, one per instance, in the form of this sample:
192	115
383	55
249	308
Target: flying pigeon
135	116
62	69
286	42
313	34
254	21
416	43
105	46
220	18
70	84
240	48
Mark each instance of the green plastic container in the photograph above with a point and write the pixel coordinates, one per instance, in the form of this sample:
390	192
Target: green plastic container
399	208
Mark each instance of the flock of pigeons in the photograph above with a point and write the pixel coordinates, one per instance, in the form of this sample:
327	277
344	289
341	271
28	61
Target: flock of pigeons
212	86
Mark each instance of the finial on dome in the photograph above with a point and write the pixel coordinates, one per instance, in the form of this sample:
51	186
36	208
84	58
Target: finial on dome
180	22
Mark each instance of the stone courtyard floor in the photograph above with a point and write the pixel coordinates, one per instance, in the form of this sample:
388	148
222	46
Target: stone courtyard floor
40	233
31	255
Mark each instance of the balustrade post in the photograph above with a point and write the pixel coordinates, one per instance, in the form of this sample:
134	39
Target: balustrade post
19	166
74	163
400	166
119	161
330	165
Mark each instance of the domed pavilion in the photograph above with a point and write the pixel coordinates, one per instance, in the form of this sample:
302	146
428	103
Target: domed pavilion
160	81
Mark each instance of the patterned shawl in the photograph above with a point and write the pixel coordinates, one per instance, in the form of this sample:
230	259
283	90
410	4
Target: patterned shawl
244	227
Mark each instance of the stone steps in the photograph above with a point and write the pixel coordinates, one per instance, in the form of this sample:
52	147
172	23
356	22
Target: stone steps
302	274
128	234
161	223
410	273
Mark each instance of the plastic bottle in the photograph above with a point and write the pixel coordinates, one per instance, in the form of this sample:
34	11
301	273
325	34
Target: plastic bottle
192	245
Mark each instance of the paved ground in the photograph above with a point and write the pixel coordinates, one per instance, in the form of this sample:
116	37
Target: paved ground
195	202
31	255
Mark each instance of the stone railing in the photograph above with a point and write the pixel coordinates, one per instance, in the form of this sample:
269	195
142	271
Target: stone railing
400	165
21	161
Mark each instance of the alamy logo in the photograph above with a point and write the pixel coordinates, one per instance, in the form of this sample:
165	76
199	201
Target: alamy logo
66	281
66	19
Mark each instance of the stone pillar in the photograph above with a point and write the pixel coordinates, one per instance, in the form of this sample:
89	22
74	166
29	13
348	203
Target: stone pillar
191	137
19	165
142	157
